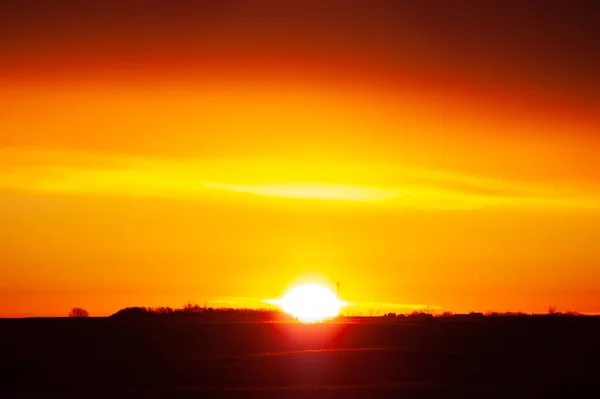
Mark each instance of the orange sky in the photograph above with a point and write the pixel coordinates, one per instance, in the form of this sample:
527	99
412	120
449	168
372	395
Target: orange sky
423	154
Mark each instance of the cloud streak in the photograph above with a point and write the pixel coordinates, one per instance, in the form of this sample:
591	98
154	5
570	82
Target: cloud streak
47	172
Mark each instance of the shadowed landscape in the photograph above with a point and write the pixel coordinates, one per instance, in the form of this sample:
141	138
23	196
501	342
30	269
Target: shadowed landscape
188	357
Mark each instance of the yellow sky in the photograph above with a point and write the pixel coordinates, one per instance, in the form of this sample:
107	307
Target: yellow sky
220	154
105	228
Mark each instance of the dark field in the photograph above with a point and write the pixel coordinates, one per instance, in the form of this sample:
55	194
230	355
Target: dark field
189	358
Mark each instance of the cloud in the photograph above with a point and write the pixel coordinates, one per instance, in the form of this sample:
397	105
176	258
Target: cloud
43	172
319	191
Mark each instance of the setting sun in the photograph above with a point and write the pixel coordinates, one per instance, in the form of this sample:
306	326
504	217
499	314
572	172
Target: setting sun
310	303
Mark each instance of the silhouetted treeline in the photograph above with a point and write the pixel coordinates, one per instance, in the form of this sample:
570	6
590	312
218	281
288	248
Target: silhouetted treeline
204	312
261	314
429	315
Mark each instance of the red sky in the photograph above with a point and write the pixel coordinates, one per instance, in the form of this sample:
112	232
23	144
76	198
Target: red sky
423	153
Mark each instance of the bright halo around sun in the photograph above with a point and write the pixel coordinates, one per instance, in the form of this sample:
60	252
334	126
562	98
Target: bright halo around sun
310	303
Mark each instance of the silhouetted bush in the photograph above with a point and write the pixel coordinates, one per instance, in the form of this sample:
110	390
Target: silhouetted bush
420	315
572	313
160	310
552	310
133	312
78	313
193	308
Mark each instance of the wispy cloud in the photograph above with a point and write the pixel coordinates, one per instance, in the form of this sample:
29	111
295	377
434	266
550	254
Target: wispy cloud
320	191
82	173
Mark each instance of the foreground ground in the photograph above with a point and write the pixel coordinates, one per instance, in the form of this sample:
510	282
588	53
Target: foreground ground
189	358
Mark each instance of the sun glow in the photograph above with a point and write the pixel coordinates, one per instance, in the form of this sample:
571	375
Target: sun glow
310	303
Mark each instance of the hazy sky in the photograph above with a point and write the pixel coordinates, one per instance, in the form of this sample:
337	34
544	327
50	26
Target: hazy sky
421	152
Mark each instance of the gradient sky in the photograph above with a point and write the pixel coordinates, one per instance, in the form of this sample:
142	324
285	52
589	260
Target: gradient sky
421	152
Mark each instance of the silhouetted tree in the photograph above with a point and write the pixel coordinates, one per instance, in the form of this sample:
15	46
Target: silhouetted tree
79	313
192	308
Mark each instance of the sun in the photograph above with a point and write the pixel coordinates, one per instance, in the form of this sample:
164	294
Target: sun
310	303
